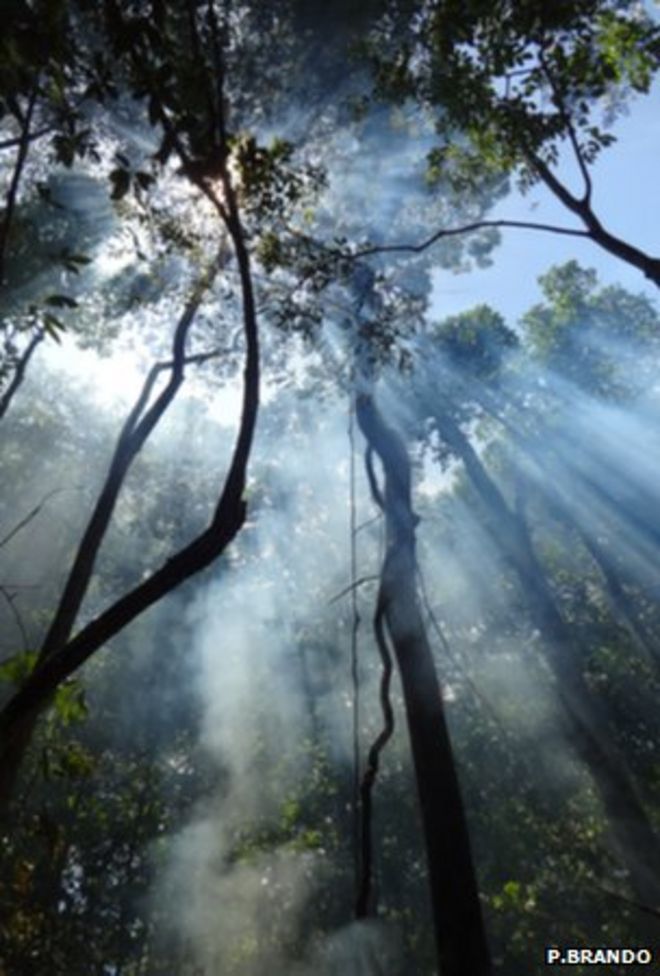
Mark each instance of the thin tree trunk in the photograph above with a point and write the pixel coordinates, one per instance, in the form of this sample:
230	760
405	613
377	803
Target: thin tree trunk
15	182
138	427
19	372
459	929
18	715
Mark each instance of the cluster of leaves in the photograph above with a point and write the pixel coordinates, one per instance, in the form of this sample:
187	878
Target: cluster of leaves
103	815
44	64
511	81
603	339
90	826
269	185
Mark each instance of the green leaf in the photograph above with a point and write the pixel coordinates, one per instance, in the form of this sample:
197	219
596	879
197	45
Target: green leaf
144	180
76	762
17	668
61	301
53	326
121	181
70	704
512	890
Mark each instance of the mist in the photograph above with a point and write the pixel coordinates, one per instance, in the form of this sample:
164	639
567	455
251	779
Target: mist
200	797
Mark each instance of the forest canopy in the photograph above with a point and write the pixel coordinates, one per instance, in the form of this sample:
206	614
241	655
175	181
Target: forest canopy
329	621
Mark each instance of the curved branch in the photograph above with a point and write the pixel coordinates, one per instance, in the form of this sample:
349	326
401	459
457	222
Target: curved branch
646	263
18	715
570	129
465	229
19	371
227	521
352	587
362	904
30	516
137	428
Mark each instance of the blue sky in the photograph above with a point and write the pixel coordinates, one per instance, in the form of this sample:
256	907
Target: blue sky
626	198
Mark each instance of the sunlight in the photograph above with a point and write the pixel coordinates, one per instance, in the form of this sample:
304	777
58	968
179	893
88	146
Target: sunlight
113	379
116	380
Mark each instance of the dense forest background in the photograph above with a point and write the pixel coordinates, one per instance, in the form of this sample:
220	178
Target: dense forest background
329	619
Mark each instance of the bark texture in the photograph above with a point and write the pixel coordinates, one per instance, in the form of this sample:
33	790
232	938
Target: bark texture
457	918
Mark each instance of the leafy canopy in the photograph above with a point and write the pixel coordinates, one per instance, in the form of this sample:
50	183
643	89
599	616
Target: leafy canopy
513	80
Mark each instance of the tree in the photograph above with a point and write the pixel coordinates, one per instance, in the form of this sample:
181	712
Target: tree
471	349
46	87
459	929
602	340
61	655
202	164
510	86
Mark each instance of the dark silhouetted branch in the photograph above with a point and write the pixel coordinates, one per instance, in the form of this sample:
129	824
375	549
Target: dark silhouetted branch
19	372
570	130
137	428
31	515
646	263
17	717
10	600
363	903
12	192
352	587
464	229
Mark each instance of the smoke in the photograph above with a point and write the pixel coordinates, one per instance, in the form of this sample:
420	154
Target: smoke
250	868
260	879
273	668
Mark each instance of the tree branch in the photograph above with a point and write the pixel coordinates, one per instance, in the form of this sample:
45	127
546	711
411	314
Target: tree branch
226	522
19	372
465	229
138	426
32	137
646	263
30	516
9	599
12	192
570	129
227	519
352	587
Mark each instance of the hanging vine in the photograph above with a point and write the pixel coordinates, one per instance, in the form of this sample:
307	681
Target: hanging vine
355	627
365	876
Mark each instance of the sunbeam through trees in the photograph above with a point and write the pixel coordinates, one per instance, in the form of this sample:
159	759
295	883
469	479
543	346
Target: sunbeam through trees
329	581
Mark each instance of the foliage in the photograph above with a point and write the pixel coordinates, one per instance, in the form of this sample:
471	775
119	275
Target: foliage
602	339
513	81
118	792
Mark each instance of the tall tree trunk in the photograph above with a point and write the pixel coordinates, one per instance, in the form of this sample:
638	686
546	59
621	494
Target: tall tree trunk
137	428
586	722
458	924
18	715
